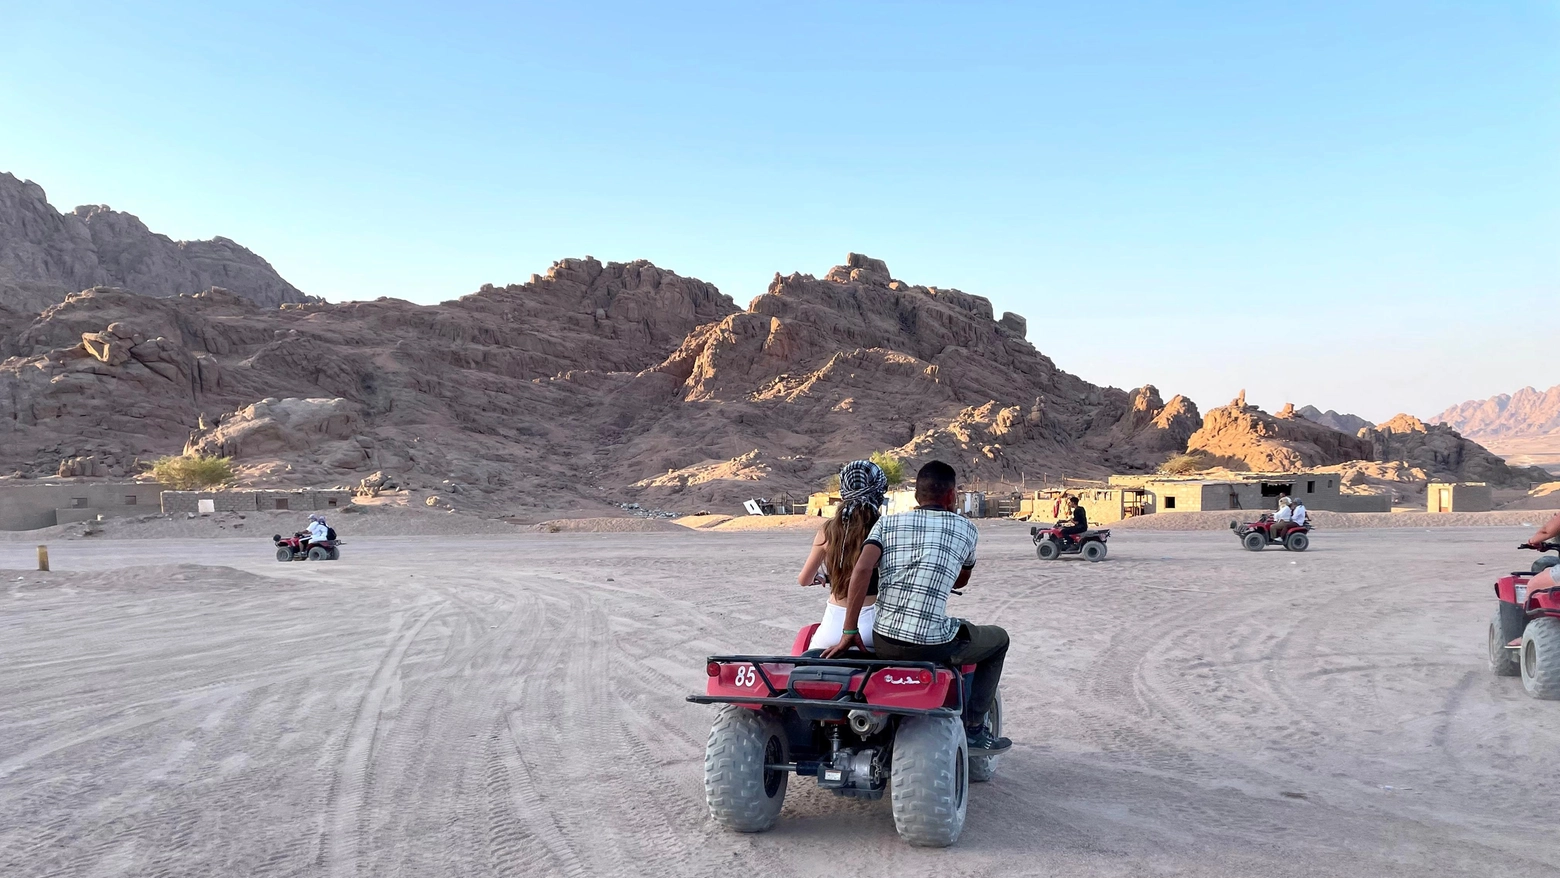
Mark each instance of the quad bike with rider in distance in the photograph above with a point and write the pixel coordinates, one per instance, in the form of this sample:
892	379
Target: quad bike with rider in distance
1051	543
1258	535
1524	632
293	548
861	726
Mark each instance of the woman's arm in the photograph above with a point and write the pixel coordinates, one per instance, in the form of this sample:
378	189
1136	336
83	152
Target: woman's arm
814	561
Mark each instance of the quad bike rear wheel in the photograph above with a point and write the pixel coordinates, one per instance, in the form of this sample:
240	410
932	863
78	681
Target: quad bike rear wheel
1094	551
1540	658
984	768
742	792
1255	541
283	554
1297	542
335	554
930	780
1503	662
1047	550
318	553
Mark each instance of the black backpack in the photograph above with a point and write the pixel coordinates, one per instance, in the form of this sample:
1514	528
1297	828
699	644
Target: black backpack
330	534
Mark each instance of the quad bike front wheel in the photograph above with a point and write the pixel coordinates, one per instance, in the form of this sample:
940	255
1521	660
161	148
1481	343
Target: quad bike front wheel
930	780
318	553
284	554
1297	542
1094	551
743	793
984	768
1503	662
1047	550
1540	658
1255	541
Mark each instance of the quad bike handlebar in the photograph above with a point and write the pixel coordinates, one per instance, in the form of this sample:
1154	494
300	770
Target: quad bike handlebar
1546	546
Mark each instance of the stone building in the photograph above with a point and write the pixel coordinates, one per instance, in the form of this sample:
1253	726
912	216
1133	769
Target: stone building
1458	497
29	505
257	500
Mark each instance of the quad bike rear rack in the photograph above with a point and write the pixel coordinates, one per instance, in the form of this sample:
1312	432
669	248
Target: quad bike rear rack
847	699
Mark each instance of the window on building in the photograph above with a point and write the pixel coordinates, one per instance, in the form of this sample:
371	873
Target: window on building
1310	487
1169	502
330	502
1277	489
78	502
129	499
281	502
1329	483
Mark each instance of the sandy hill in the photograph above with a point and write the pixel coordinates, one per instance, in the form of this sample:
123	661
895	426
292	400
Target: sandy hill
45	255
616	381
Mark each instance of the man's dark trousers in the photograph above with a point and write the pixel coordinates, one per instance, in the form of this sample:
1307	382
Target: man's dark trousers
984	646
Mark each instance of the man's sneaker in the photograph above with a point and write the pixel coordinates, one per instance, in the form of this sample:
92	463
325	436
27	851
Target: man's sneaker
981	740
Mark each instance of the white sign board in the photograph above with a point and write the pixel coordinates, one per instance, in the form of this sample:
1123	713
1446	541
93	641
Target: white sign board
206	507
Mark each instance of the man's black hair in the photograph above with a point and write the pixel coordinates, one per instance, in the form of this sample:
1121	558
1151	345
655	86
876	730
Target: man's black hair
934	481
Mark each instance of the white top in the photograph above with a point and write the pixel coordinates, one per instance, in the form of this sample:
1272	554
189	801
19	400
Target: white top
1284	514
1299	513
317	530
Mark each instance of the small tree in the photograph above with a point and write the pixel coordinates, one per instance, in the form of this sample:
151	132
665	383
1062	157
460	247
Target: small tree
191	472
892	467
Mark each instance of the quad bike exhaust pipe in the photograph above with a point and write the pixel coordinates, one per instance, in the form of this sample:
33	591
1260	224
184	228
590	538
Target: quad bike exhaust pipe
866	723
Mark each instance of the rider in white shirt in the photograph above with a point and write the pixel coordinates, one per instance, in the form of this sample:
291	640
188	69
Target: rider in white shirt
318	532
1282	519
1299	513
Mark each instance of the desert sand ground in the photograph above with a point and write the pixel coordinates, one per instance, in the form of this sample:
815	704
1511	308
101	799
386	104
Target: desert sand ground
513	705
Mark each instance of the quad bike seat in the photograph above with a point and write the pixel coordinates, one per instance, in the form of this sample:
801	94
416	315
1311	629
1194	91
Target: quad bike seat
804	637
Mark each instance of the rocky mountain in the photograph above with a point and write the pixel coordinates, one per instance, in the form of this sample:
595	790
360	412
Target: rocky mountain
1444	453
620	381
45	255
1343	423
1526	414
1243	437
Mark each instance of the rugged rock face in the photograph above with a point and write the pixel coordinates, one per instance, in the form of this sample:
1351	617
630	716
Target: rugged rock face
44	255
1242	436
620	380
1343	423
1443	453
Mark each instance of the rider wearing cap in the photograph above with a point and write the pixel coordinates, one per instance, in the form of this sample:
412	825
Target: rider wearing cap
318	532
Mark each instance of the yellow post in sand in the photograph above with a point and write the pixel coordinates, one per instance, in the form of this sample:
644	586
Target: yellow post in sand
43	558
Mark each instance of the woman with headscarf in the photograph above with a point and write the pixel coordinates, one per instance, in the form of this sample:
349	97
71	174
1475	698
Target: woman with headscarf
837	546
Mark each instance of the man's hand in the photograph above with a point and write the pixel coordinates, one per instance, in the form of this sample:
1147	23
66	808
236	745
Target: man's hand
846	642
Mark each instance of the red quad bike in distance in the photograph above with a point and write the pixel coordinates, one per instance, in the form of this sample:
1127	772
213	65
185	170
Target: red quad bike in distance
1258	535
1051	543
1525	630
862	726
291	548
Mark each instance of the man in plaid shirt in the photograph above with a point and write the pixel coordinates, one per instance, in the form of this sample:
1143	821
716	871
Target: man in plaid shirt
920	556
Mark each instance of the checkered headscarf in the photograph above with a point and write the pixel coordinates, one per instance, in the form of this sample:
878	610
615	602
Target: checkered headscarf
862	483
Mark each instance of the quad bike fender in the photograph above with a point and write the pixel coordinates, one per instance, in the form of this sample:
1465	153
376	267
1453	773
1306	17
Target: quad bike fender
905	688
1506	588
803	639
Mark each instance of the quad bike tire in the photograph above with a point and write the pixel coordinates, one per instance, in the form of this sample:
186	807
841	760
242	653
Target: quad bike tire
741	793
335	554
1503	662
284	554
1545	563
1297	542
1094	551
930	780
984	768
318	553
1255	541
1540	662
1048	550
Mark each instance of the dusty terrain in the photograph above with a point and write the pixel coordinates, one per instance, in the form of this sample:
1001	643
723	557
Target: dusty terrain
512	705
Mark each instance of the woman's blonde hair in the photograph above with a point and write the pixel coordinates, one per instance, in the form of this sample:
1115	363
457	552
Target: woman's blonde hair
842	539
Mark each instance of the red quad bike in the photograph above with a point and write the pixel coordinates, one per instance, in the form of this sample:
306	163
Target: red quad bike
1258	535
291	548
1525	630
1051	543
861	726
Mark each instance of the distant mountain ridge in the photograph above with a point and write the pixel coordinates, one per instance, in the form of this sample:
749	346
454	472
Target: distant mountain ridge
1343	423
1526	414
46	255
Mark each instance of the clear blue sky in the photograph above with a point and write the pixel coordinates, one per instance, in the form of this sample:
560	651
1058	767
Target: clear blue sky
1170	195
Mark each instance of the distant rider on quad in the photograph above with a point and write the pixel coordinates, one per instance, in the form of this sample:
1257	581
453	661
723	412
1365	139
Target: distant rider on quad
920	556
1282	519
1080	518
318	532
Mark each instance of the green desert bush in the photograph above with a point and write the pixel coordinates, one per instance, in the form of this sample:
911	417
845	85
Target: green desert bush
892	467
191	472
